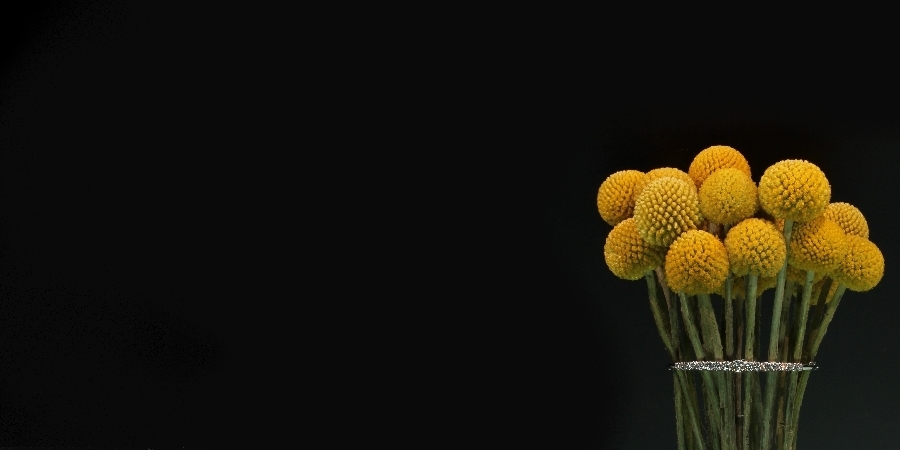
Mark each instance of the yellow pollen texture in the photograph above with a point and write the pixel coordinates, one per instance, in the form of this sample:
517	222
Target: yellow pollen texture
728	196
862	266
696	263
849	218
666	208
756	247
615	198
794	190
627	255
714	158
656	174
819	245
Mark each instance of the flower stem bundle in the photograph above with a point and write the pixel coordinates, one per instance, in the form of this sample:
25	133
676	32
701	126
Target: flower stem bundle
710	242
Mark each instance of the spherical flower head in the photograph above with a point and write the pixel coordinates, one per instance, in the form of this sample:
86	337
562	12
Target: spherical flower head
662	172
615	198
666	208
794	190
849	218
628	255
728	196
696	263
862	266
819	245
714	158
799	275
756	247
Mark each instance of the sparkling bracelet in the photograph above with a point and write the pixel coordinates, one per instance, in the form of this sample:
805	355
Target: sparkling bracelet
743	366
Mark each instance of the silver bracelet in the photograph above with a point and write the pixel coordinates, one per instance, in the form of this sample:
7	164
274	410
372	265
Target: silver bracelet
741	365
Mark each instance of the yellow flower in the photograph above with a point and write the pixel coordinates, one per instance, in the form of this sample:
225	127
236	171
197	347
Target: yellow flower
728	196
794	190
862	266
755	247
714	158
627	254
819	245
615	198
696	263
849	218
656	174
666	208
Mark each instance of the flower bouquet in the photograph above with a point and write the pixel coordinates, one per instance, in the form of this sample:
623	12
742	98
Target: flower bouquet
709	242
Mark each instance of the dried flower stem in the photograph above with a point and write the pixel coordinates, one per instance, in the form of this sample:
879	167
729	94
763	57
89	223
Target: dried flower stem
771	378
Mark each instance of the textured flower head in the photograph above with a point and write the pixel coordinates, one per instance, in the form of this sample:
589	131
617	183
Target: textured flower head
862	266
728	196
714	158
818	245
615	198
849	218
628	255
756	247
794	190
666	208
662	172
696	263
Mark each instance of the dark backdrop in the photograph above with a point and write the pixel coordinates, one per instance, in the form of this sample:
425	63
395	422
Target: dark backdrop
136	224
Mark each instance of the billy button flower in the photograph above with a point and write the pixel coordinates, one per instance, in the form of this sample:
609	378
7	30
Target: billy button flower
862	267
661	172
728	196
755	247
849	218
615	198
628	255
696	263
794	190
714	158
819	245
666	208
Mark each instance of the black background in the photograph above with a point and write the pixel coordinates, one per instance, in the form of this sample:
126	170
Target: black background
143	216
138	261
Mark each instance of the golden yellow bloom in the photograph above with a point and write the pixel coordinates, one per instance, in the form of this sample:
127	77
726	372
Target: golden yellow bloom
656	174
696	263
739	286
728	196
862	266
666	208
849	218
615	198
794	190
819	245
755	246
714	158
799	275
628	255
